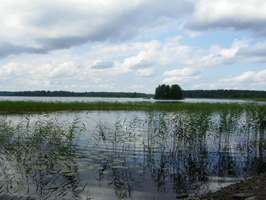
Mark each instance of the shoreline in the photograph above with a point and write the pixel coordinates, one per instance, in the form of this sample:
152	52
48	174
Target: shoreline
250	189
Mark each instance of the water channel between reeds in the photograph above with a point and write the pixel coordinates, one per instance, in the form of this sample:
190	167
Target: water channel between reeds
129	154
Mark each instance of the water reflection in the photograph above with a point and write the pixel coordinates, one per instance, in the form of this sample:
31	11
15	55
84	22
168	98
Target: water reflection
130	155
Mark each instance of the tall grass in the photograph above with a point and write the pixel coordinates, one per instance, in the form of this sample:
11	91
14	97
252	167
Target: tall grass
31	106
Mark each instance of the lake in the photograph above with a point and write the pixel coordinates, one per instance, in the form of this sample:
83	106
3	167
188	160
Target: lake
91	99
128	154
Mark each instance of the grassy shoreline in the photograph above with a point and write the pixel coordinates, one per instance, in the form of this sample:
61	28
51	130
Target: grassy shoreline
36	106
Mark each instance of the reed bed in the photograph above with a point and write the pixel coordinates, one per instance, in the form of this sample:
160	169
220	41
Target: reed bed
35	156
32	106
259	99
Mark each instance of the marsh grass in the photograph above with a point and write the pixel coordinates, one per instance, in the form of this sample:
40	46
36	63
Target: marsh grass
32	106
259	99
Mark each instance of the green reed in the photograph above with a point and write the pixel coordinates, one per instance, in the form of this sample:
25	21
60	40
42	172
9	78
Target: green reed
31	106
37	154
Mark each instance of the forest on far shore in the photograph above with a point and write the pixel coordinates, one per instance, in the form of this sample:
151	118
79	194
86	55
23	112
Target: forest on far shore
231	94
219	94
44	93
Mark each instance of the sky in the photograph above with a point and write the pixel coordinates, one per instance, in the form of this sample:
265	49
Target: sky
132	45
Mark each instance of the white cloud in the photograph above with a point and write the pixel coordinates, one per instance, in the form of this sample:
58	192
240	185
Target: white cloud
147	72
247	80
208	86
172	51
217	55
135	59
183	72
249	76
179	79
182	76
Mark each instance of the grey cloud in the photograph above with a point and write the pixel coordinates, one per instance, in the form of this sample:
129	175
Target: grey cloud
236	15
7	49
123	26
257	28
258	50
61	43
143	64
55	26
103	65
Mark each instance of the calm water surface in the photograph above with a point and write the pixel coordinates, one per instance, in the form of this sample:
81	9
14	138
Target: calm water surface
129	154
89	99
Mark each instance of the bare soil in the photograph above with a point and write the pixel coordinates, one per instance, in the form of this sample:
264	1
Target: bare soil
250	189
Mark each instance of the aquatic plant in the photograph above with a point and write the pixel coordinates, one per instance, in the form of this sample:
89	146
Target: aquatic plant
35	156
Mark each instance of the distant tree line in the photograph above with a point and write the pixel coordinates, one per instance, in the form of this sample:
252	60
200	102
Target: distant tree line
60	93
168	92
163	92
234	94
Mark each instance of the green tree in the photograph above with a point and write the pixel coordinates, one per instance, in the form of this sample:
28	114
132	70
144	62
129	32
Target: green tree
176	92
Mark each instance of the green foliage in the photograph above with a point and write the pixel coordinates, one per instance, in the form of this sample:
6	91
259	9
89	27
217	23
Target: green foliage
240	94
168	92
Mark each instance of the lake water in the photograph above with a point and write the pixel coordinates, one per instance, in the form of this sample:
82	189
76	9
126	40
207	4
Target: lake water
92	99
127	154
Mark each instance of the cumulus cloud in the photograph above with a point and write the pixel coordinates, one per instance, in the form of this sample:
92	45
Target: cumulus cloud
41	26
249	76
145	72
246	80
110	66
253	53
182	75
217	55
140	59
60	70
225	14
179	79
183	72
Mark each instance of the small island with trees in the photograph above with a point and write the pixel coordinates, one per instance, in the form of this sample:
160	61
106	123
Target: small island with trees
168	92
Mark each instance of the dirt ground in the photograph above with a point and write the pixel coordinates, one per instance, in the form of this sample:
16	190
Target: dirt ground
251	189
